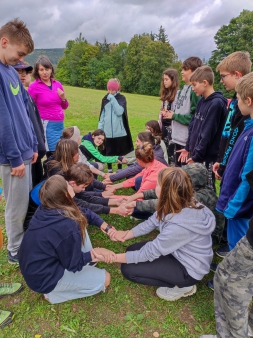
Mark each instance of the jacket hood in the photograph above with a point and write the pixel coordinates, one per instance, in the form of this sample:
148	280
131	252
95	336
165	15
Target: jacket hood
88	137
199	221
217	94
46	217
198	174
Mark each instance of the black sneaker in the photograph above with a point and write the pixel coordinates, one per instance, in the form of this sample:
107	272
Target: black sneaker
210	284
13	259
222	251
223	241
213	266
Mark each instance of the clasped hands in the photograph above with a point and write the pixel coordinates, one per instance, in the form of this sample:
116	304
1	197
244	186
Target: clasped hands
167	114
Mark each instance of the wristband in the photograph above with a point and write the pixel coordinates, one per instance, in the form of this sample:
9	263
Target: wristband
107	228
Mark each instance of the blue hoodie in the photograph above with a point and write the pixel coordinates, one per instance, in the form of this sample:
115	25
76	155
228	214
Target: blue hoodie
236	196
18	141
52	244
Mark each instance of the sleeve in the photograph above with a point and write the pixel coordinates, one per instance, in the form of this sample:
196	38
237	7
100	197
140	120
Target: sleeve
147	205
209	128
117	108
92	218
169	240
97	155
236	201
98	185
187	146
186	119
102	120
7	137
149	194
97	208
131	181
92	199
83	159
70	254
132	170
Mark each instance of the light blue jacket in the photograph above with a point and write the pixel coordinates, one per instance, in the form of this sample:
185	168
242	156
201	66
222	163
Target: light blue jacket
111	119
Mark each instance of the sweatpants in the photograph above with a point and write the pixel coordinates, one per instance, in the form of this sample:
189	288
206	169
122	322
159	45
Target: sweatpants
16	193
164	271
233	291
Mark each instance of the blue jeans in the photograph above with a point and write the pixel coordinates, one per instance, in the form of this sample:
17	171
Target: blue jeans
236	229
138	183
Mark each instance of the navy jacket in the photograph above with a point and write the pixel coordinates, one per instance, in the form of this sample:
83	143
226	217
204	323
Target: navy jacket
236	196
18	141
206	127
52	244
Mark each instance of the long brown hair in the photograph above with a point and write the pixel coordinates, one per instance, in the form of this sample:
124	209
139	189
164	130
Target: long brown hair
176	192
145	153
154	128
169	94
64	153
146	136
54	195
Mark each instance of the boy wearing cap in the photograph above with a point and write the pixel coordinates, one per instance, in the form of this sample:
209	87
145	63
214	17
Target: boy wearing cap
24	71
18	141
113	121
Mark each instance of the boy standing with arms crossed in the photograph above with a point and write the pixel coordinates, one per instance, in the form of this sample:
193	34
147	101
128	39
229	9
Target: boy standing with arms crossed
18	143
207	124
186	101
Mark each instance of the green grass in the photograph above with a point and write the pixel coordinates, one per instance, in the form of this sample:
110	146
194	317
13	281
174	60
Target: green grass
126	309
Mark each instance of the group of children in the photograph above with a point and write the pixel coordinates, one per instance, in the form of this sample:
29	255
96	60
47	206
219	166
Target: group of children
55	253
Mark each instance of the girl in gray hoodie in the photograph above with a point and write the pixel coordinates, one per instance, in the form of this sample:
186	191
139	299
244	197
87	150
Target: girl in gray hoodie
178	258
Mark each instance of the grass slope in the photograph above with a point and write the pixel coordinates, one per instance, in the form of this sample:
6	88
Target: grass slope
126	309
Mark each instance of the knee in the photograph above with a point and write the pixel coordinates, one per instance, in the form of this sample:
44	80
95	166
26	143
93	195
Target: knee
107	279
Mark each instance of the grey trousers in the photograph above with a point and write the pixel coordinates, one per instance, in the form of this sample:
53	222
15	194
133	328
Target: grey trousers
233	291
16	193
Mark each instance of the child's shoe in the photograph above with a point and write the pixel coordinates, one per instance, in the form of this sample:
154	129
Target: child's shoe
5	318
210	285
8	289
12	259
222	251
213	266
175	293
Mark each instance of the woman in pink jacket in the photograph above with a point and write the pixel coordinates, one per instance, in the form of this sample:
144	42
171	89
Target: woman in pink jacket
50	99
147	178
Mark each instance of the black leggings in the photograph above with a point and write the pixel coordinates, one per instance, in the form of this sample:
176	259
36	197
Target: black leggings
164	271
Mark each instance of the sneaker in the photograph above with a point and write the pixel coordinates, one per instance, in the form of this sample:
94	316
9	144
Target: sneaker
222	251
5	318
175	293
8	289
213	266
210	285
13	259
208	336
223	241
110	171
250	332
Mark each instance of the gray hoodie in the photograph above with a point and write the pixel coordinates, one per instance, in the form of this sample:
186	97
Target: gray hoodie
187	236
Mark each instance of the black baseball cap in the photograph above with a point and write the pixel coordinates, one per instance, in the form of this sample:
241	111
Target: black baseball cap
22	65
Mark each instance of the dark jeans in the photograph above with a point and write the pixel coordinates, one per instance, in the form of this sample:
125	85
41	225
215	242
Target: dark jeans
164	271
141	214
37	172
109	166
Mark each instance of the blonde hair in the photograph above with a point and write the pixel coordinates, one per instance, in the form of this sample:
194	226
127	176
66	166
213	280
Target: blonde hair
17	33
145	153
176	192
237	61
54	195
244	86
203	73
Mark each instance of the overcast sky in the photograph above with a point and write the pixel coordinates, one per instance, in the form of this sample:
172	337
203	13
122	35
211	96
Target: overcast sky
189	24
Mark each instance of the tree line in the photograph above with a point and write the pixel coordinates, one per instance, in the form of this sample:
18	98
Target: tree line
140	63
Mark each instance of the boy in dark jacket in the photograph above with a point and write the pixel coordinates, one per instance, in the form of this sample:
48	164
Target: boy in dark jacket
207	124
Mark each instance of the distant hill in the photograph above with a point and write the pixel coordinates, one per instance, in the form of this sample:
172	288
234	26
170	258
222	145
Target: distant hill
54	54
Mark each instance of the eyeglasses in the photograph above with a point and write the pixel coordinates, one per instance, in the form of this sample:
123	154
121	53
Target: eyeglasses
21	71
222	76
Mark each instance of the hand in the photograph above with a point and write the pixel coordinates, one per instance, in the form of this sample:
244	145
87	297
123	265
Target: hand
120	236
107	194
61	94
217	176
216	166
107	181
110	188
119	162
107	175
130	207
125	160
18	171
189	161
34	158
122	210
183	156
168	114
104	255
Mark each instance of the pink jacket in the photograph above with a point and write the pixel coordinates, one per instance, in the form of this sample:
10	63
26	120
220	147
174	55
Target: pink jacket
48	102
149	177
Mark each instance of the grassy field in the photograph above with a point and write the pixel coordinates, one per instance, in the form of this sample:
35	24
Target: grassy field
125	310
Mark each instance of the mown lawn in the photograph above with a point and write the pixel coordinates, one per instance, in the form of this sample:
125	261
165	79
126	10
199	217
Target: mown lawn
126	309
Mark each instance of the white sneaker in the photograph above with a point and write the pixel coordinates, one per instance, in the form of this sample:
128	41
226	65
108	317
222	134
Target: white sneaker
175	293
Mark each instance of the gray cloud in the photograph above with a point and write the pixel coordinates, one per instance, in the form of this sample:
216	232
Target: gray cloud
190	24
